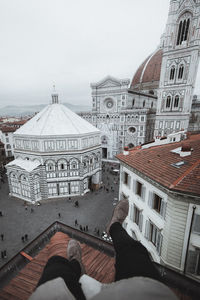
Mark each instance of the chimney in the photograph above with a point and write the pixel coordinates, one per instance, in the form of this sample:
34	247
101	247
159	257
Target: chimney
126	152
186	150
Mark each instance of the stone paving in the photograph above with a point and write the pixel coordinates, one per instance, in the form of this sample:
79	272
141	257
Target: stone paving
95	210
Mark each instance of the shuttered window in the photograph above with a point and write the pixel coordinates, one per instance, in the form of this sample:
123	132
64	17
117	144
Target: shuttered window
154	235
126	179
139	189
196	224
157	203
136	216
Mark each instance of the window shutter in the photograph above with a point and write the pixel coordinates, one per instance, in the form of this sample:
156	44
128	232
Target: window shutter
159	242
143	192
123	177
147	226
163	208
192	261
134	186
140	221
132	212
150	201
129	181
196	224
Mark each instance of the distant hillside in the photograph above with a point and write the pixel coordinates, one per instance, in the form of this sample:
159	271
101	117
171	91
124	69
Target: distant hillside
23	110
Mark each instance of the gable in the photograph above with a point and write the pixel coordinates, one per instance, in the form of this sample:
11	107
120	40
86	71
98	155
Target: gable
109	83
186	4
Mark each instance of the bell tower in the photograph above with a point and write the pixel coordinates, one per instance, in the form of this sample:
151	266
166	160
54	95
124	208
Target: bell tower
181	45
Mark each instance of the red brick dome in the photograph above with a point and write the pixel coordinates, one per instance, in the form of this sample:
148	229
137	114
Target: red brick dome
148	74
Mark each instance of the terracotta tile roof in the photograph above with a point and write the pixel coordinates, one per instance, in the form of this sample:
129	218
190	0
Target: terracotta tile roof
7	129
15	123
98	265
156	163
149	70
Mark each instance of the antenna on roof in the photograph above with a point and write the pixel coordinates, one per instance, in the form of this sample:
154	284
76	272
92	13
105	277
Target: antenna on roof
54	95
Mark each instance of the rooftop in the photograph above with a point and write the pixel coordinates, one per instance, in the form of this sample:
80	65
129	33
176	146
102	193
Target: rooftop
56	120
159	164
25	164
19	277
149	70
7	129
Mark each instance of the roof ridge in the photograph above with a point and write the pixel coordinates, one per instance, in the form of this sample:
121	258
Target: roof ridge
187	172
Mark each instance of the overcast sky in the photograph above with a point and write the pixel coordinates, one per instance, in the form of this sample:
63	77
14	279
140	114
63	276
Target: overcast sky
71	43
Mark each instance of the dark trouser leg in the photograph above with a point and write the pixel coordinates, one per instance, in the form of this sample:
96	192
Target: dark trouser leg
132	258
70	271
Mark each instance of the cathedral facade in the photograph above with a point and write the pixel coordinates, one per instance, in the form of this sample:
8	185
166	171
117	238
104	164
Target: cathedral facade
123	116
159	99
57	154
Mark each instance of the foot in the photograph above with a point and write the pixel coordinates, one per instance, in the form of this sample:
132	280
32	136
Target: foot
74	252
119	214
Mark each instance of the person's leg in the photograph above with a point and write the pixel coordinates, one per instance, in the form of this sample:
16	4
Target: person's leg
70	271
132	258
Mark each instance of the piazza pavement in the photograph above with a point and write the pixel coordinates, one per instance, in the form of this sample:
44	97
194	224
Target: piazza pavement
95	210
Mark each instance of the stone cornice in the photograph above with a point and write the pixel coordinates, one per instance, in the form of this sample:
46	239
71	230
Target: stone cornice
53	153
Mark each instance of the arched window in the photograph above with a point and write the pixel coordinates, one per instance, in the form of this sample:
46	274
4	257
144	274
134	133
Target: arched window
187	30
183	31
168	102
172	73
74	164
133	102
179	32
50	166
176	101
180	72
143	103
25	186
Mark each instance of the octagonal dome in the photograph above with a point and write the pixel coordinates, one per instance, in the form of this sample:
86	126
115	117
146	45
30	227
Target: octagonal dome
147	76
56	120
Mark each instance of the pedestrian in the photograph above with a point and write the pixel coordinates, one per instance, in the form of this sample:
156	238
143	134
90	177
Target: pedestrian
59	215
26	207
26	237
98	232
76	222
4	254
86	227
1	215
2	236
22	238
81	228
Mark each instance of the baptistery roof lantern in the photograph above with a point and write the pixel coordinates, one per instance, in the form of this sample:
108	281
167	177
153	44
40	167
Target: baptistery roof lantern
54	96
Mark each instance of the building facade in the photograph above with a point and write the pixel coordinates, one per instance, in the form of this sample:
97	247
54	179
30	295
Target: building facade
6	136
181	45
124	117
159	99
57	154
161	183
